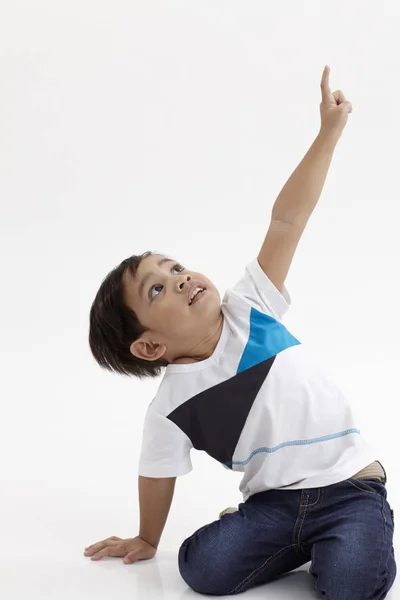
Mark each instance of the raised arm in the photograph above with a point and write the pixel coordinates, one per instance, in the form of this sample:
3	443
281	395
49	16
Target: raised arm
301	193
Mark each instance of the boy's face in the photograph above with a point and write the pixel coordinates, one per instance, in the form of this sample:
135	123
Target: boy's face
178	331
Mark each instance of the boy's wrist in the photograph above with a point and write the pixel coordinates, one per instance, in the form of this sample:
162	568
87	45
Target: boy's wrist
151	542
327	139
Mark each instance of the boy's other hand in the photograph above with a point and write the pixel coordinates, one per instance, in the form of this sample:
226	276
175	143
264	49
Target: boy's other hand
132	549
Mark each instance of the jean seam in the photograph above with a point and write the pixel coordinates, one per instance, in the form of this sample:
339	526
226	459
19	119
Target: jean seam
384	544
269	560
301	515
315	575
318	500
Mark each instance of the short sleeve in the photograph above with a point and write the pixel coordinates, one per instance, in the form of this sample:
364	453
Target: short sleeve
258	291
165	448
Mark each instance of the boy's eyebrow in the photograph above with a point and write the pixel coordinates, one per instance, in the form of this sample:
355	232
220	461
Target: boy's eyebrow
146	277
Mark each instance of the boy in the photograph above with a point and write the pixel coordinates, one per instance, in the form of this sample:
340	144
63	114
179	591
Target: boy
239	386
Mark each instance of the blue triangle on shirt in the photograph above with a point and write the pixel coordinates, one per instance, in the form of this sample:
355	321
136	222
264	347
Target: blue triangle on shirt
267	338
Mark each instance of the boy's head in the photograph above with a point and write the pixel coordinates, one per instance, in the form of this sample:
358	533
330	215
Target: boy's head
142	317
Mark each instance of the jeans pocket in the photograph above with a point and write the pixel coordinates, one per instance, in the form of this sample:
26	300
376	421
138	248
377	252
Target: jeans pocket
371	485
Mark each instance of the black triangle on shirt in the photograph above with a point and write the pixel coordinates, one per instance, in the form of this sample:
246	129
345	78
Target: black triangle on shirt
214	419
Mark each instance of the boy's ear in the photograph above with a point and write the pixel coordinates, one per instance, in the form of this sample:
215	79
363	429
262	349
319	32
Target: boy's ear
147	350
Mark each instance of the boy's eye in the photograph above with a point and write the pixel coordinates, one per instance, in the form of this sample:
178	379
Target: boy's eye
158	285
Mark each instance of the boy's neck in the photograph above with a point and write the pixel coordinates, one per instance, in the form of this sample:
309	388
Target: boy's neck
208	350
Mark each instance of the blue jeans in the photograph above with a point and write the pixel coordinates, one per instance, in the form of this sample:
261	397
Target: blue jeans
345	530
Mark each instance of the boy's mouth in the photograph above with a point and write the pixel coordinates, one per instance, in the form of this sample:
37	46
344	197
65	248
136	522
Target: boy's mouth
197	293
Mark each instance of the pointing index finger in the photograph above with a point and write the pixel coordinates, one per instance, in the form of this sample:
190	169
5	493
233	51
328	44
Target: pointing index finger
325	89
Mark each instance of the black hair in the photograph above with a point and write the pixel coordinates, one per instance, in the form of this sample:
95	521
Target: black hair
114	326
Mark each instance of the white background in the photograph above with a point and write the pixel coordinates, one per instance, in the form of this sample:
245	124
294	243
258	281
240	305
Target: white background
172	127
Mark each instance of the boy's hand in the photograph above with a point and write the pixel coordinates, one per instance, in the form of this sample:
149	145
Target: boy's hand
334	109
132	549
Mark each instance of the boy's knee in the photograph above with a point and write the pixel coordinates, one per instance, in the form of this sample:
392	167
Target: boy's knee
202	573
